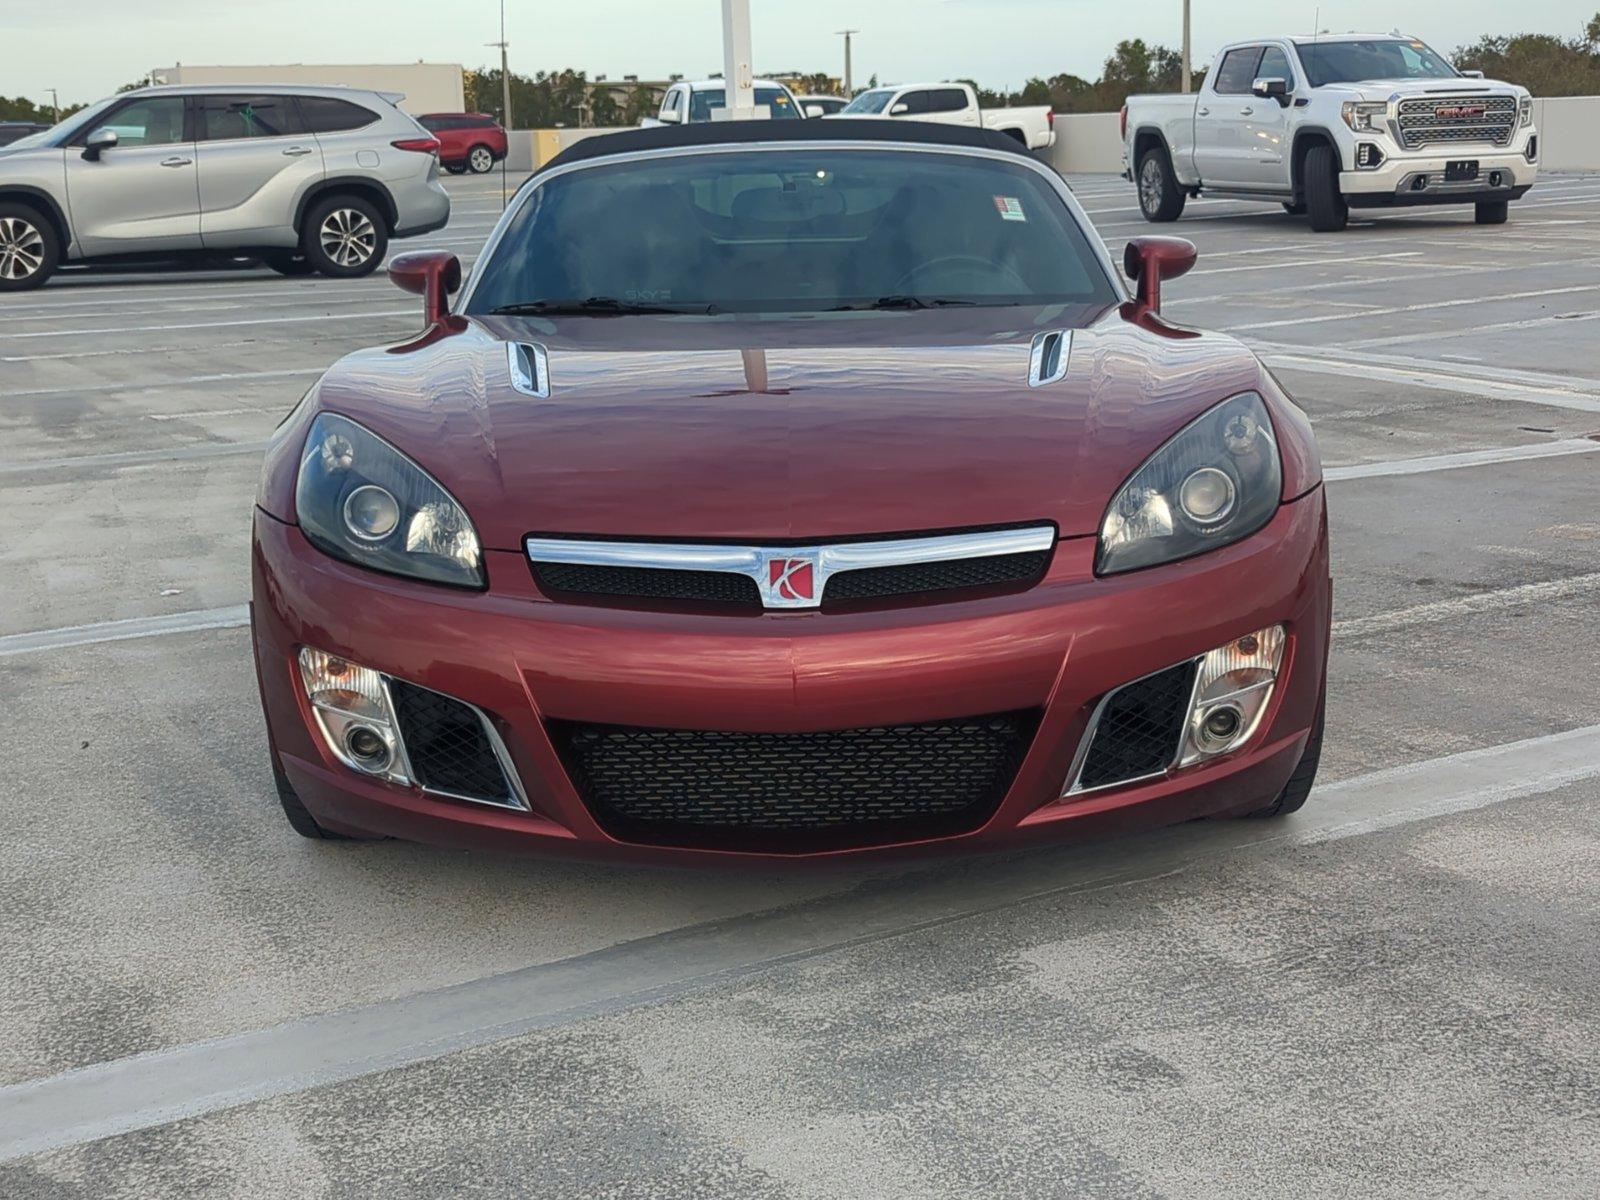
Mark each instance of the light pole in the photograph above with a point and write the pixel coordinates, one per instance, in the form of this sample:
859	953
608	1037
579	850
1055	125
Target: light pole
849	87
738	78
1186	45
505	73
55	107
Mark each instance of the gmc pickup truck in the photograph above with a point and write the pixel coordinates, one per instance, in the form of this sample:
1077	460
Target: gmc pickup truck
954	104
1325	123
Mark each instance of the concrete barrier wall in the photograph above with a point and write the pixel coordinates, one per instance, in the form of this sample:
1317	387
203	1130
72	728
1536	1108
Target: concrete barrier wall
1569	139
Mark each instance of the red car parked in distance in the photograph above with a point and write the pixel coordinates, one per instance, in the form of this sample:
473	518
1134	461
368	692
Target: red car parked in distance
467	141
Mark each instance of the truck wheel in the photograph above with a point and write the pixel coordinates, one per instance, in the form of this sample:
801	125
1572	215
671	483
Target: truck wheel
28	249
344	236
1491	212
1160	197
1329	213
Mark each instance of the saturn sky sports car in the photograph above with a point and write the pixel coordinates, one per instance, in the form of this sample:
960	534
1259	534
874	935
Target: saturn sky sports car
791	489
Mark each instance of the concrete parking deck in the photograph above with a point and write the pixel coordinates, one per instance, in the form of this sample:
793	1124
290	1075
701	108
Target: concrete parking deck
1393	993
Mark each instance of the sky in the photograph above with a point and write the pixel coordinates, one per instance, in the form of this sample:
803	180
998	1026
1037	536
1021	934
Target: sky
86	48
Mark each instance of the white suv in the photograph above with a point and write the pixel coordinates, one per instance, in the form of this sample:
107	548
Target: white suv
306	178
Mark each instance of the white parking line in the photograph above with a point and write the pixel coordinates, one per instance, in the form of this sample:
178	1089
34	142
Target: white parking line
125	630
1500	298
1520	596
167	328
163	1086
1467	458
1449	379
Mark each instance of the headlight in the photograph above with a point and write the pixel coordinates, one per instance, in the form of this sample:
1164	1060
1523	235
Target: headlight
1217	481
1364	114
1525	111
360	499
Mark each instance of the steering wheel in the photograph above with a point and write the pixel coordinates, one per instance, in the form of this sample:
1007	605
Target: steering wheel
981	268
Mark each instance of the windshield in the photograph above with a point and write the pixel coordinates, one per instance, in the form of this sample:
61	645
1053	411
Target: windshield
793	230
870	102
701	103
58	134
1352	62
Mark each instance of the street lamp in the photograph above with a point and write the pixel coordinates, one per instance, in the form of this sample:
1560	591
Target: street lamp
1186	45
848	84
505	73
55	107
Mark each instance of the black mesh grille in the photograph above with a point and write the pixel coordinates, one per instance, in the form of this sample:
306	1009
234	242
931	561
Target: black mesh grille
447	745
792	792
653	583
1139	728
994	571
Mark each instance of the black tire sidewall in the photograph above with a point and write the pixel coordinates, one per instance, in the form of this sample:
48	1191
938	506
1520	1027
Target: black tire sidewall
52	247
1323	202
1491	212
311	242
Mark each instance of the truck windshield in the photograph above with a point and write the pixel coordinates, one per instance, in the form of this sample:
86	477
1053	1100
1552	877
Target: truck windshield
776	100
791	230
1353	62
870	102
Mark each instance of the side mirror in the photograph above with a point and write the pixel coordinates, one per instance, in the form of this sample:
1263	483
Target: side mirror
1149	260
900	110
1272	89
434	275
668	116
98	143
1472	73
813	110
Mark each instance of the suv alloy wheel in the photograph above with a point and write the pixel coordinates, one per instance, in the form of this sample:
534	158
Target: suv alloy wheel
28	250
480	159
344	236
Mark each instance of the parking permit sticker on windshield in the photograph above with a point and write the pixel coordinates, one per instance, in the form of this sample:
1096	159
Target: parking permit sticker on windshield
1010	208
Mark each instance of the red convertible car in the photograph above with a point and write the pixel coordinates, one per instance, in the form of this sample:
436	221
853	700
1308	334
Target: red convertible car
791	489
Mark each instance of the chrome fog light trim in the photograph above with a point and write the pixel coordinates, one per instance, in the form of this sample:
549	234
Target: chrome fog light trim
352	706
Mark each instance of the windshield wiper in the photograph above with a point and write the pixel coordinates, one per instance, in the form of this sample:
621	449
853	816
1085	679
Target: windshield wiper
595	306
906	302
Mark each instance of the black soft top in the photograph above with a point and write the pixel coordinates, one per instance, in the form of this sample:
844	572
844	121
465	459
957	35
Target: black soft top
809	129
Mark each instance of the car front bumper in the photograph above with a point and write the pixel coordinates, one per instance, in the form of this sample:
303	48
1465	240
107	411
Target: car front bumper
529	662
1392	182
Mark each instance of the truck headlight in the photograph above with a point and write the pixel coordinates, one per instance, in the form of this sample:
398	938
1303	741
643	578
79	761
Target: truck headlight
1363	115
1525	111
1217	480
360	499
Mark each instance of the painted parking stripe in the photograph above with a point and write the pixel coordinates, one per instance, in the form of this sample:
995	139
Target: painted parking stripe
1468	458
125	630
1435	380
1457	607
162	1086
1427	306
386	314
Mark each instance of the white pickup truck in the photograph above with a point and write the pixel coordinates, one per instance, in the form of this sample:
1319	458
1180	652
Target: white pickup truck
1325	123
953	104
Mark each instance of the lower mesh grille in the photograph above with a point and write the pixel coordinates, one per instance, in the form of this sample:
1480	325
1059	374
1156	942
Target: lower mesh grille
652	583
793	792
1139	729
449	748
995	570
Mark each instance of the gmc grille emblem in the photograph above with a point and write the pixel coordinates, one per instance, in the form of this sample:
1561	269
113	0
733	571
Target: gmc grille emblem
1451	112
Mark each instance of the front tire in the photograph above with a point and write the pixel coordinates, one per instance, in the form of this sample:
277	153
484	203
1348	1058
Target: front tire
1160	197
299	818
344	237
1293	796
1327	208
1491	212
29	252
480	160
1296	209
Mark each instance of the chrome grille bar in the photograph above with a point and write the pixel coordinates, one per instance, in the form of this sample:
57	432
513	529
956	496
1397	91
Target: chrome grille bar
791	576
1420	121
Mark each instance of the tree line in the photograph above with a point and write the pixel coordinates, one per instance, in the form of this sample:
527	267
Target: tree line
1545	64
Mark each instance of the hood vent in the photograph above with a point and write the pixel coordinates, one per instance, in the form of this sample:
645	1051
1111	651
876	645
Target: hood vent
1048	361
530	368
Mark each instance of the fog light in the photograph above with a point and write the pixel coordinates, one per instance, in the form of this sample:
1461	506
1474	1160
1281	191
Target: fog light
1532	152
1231	692
1494	179
1419	184
352	710
1368	156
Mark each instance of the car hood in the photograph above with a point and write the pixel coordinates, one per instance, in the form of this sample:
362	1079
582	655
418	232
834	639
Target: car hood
787	430
1406	89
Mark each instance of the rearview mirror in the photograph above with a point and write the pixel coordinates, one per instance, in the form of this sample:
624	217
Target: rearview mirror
900	110
1272	88
434	275
1472	73
98	142
1149	260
